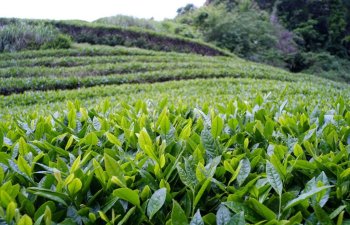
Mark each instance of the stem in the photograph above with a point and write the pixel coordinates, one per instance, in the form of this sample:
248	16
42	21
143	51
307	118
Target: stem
279	207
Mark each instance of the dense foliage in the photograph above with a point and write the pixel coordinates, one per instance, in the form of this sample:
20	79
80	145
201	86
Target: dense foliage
149	137
166	26
281	33
22	35
249	159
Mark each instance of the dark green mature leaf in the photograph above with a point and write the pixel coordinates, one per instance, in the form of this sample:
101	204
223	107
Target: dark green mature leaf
274	178
197	219
244	171
187	177
223	216
296	219
178	216
201	191
40	211
156	202
52	195
305	196
322	216
322	200
1	138
238	207
261	209
209	143
127	216
337	211
237	219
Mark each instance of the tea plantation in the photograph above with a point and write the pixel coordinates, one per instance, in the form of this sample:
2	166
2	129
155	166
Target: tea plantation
115	135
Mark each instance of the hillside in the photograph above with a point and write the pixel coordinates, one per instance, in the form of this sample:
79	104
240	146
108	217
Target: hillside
94	33
301	36
97	134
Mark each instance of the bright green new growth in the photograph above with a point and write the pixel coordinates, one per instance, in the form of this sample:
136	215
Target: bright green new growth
232	142
105	179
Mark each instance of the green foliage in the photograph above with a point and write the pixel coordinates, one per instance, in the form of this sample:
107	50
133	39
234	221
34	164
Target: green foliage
22	35
258	145
108	182
129	21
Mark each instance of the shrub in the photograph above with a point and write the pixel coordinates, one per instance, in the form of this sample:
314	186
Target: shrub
60	42
22	35
129	21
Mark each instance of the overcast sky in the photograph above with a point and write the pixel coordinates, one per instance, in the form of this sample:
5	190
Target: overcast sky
92	9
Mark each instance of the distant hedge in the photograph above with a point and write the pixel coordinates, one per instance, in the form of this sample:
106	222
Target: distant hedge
22	35
84	32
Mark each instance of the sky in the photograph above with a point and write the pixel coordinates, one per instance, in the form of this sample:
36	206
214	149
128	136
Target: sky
92	9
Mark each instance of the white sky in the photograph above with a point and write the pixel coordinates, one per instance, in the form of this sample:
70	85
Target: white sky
91	9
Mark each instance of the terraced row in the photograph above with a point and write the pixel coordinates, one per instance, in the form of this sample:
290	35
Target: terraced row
191	92
215	150
90	66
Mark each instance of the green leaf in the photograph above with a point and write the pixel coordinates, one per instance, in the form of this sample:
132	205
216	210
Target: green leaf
128	195
223	216
163	122
186	131
322	216
274	178
74	186
197	219
1	138
296	219
238	207
201	191
72	118
178	216
127	216
323	196
237	219
216	126
41	210
113	139
91	139
187	175
23	147
53	195
268	129
25	220
305	196
2	175
23	166
156	202
209	143
5	198
69	142
113	169
146	144
10	212
76	164
244	171
261	209
337	211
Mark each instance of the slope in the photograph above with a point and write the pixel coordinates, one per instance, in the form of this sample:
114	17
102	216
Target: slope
146	137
